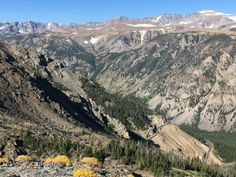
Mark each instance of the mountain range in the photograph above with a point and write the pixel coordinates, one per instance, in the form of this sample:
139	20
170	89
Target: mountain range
136	79
40	95
181	66
206	19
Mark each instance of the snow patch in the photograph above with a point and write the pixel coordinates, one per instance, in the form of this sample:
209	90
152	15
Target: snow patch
162	30
143	32
23	32
141	25
233	26
232	18
157	19
211	26
168	24
2	27
206	11
215	14
86	42
49	25
94	40
211	13
185	22
90	29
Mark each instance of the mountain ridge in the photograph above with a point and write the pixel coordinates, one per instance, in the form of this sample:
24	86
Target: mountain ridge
40	95
205	19
144	60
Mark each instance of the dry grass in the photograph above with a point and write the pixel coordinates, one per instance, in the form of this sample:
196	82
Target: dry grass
23	158
49	160
4	160
130	175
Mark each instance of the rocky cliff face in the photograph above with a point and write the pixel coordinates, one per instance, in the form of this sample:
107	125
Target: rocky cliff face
30	101
187	77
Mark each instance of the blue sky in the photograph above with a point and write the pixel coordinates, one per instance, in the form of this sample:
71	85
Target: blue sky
81	11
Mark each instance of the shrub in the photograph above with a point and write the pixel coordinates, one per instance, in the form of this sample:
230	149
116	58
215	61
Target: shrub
4	160
91	161
82	172
62	159
23	158
49	160
130	175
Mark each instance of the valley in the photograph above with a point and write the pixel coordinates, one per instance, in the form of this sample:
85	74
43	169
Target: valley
177	71
154	96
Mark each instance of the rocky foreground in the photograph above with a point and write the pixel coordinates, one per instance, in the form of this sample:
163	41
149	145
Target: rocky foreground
36	170
39	169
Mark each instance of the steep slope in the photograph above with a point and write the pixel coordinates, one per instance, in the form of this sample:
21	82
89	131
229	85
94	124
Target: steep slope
179	145
185	75
33	100
40	95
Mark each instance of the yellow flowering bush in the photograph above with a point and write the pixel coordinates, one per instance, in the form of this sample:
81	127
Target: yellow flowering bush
60	159
49	160
84	172
130	175
23	158
4	160
91	161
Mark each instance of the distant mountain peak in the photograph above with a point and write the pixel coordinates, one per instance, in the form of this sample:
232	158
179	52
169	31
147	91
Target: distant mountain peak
207	11
122	19
211	12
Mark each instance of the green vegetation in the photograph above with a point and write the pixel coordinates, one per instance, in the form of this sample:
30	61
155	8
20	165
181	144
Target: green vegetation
147	157
224	142
175	172
219	38
123	108
88	57
139	154
137	100
40	146
98	69
64	50
114	55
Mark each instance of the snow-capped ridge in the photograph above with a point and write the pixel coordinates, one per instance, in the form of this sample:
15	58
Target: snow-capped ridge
142	25
157	19
201	20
